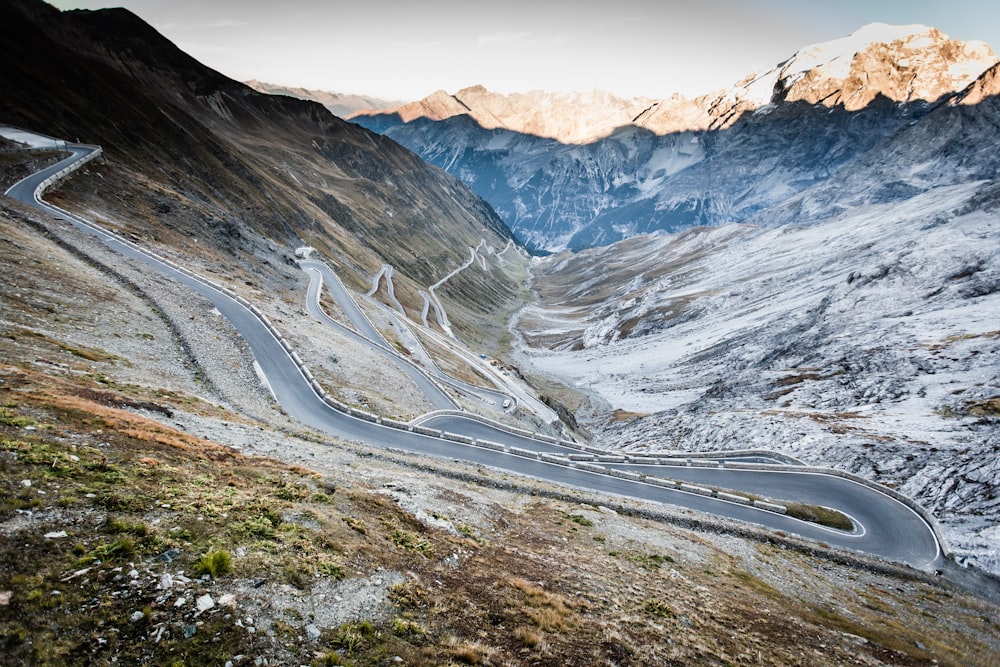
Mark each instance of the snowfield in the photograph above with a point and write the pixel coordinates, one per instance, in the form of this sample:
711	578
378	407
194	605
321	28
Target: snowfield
868	342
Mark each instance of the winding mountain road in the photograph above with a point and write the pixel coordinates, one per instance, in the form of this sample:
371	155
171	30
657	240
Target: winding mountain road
427	380
320	275
885	526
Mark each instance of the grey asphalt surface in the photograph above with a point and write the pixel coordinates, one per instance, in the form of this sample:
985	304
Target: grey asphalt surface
889	525
889	529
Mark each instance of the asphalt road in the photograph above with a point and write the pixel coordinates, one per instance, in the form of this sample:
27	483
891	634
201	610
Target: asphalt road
888	525
320	275
887	528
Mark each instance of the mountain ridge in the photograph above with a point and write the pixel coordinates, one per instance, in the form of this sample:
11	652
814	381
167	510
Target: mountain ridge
902	63
340	104
723	157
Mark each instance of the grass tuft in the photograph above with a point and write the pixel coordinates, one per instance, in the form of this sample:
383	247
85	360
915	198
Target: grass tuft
214	563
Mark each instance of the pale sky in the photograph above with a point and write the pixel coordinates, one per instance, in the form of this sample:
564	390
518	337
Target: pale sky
405	50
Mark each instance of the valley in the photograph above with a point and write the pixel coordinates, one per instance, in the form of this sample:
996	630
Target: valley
878	525
843	350
193	414
805	261
274	390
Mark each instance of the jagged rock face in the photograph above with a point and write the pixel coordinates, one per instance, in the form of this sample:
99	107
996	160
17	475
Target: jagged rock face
730	156
904	64
566	117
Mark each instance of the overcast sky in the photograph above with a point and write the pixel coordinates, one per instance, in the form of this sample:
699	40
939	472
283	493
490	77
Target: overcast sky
405	50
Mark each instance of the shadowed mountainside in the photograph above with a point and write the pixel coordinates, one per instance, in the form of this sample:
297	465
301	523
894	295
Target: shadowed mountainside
216	170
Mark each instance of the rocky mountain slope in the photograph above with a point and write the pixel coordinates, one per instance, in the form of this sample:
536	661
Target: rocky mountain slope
156	507
866	341
203	165
591	175
147	517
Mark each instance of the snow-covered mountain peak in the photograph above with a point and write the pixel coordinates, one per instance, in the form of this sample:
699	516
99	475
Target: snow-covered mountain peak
904	63
836	54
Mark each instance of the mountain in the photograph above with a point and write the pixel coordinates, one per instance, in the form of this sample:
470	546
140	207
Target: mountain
339	104
724	157
207	166
865	340
158	508
569	117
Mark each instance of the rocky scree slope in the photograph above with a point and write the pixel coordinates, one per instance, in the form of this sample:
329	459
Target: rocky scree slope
723	157
867	342
202	165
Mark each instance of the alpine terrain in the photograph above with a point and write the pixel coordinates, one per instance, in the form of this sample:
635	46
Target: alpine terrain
862	173
575	172
275	390
340	104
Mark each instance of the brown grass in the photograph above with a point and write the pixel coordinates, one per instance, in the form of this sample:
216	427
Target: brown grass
620	415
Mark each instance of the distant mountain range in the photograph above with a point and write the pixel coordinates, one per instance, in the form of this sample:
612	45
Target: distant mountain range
340	104
574	171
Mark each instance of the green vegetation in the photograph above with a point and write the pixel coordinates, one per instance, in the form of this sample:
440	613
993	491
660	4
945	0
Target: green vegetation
10	418
651	561
214	563
356	524
579	520
410	541
658	608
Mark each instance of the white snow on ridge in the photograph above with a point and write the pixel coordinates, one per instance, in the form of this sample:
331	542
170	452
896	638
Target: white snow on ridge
833	61
834	57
